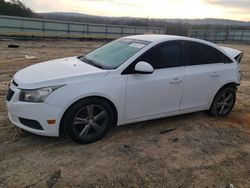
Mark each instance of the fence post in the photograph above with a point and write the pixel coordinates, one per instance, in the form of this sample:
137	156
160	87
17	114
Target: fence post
21	26
106	30
233	36
121	31
68	29
226	36
242	34
135	30
43	26
206	35
87	29
215	36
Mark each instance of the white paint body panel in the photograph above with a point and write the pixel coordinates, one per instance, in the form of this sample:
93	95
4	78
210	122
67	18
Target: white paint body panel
230	52
154	94
136	97
203	81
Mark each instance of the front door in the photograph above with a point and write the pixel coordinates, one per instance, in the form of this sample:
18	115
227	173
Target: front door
160	92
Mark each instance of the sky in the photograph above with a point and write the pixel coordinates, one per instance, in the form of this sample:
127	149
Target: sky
186	9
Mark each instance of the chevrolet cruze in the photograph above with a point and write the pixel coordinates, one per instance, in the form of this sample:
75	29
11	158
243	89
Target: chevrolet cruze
128	80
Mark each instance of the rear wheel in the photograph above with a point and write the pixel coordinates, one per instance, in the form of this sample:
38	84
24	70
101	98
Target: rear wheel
88	120
223	102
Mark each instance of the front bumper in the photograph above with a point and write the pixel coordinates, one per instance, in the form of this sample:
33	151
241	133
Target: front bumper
40	112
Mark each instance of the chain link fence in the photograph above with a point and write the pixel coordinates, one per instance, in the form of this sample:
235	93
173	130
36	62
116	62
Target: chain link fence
221	35
39	28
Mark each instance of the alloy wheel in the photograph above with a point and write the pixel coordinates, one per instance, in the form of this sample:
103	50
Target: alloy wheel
90	121
225	103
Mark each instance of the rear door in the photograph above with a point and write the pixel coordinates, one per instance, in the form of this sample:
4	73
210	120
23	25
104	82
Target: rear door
205	73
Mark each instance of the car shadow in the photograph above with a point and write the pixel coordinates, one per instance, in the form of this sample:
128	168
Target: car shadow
161	123
156	125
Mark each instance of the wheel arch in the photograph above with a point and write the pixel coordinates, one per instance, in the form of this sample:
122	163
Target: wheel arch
61	127
230	84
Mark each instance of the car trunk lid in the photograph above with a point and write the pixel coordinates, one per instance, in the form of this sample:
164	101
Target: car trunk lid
233	53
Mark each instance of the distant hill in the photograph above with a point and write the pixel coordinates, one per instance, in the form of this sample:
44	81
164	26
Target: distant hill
69	14
214	21
172	26
85	18
142	21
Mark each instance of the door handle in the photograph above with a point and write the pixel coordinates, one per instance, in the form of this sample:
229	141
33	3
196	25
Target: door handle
175	81
215	74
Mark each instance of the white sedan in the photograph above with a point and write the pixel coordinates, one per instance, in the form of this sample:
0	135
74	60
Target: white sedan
128	80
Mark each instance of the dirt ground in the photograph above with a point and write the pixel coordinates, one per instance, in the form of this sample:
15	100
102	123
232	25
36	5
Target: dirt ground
202	151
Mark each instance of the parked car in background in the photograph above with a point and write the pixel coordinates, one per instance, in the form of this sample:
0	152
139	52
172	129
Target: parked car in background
128	80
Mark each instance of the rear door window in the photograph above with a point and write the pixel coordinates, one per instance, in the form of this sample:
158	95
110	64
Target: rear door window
200	54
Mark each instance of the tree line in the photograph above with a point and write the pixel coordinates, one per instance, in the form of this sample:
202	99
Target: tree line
14	8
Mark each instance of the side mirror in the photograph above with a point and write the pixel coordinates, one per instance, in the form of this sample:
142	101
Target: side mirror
143	68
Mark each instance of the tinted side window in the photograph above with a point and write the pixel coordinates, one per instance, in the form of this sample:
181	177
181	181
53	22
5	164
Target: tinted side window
219	57
199	53
165	55
203	54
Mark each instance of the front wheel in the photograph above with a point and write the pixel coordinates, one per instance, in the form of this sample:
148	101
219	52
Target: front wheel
223	102
88	120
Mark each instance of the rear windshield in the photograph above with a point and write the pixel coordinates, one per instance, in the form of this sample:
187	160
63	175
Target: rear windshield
114	54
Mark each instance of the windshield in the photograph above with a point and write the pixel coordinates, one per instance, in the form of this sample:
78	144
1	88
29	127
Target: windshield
113	54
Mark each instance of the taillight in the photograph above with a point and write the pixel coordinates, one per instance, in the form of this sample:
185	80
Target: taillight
238	58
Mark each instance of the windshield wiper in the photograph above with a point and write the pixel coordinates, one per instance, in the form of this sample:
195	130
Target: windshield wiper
90	62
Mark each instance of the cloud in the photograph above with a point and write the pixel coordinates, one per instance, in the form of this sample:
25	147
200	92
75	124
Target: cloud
228	9
234	9
115	2
241	4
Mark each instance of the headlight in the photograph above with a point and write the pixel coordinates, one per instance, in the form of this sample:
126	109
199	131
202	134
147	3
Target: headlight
36	95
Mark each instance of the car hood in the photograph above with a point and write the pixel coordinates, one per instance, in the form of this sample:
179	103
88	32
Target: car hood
59	71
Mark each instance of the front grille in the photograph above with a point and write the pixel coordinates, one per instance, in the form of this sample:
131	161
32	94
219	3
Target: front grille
9	95
31	123
14	83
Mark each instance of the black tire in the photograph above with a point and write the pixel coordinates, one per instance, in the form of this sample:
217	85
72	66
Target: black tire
223	102
85	128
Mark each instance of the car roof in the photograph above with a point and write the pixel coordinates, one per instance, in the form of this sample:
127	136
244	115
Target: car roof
155	38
